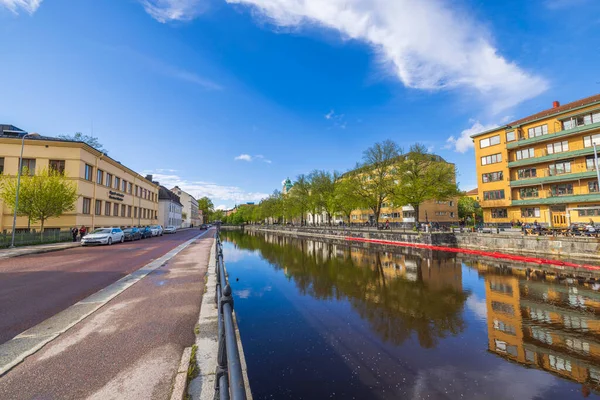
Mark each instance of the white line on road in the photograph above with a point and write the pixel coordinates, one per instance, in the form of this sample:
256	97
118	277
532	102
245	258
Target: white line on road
27	343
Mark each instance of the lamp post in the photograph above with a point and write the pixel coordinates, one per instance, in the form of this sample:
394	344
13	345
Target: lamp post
14	224
596	165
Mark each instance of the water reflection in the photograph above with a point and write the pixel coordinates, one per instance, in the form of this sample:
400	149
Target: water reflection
534	319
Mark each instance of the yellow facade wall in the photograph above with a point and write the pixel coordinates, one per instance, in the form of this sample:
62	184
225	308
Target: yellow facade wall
76	156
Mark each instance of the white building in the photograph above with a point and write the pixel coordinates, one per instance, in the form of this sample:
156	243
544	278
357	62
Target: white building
169	208
190	208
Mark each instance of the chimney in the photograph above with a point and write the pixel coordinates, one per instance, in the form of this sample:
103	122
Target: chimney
149	177
555	104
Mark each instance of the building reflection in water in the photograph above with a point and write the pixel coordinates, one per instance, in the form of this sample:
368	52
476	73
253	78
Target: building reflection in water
542	322
534	319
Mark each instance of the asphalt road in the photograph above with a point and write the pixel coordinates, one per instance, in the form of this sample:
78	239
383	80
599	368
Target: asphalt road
34	288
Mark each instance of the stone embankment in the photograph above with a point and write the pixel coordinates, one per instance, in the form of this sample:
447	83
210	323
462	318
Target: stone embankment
555	247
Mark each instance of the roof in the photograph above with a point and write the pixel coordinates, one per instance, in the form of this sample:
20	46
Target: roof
10	128
472	192
166	194
546	113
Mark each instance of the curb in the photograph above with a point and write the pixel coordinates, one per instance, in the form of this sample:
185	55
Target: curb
181	378
37	251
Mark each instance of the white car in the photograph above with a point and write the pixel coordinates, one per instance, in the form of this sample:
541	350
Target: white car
104	236
170	229
157	230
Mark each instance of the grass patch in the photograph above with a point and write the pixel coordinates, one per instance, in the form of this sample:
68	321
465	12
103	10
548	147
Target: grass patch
193	369
197	329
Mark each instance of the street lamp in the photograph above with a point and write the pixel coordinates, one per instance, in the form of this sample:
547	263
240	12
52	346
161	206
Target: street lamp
30	135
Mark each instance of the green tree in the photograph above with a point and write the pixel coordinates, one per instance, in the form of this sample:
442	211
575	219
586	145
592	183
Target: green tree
90	140
467	207
373	180
421	176
346	199
206	205
299	197
44	195
218	215
323	195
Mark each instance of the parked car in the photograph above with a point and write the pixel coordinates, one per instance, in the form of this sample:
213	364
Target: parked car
103	236
157	230
132	234
204	226
170	229
146	232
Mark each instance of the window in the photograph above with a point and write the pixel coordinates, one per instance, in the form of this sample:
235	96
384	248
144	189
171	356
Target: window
107	206
591	212
588	141
451	214
122	210
503	307
57	166
28	166
99	177
581	120
117	182
541	334
124	187
563	167
88	173
129	211
440	213
109	180
1	165
87	205
408	214
116	210
559	363
493	159
493	195
451	203
558	147
129	187
98	210
503	327
530	212
590	163
526	153
491	141
538	131
503	347
499	213
144	213
527	173
527	193
137	191
492	176
593	186
562	190
135	212
501	288
510	136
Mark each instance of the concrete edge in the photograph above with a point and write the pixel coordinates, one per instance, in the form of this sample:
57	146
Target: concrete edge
180	384
64	320
203	386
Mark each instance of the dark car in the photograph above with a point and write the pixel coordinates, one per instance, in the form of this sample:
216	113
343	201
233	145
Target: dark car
204	226
132	234
146	232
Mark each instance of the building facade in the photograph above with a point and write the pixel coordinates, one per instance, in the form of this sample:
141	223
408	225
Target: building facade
169	208
190	208
110	194
541	168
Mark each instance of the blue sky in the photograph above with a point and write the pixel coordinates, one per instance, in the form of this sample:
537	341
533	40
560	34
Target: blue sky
227	98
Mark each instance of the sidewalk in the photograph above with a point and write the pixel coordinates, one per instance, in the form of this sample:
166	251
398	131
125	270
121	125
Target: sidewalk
130	348
36	249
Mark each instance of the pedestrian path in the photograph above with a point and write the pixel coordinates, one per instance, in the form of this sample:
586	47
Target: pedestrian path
37	249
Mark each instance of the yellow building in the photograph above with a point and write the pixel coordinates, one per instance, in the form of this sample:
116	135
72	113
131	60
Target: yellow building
110	194
474	194
541	168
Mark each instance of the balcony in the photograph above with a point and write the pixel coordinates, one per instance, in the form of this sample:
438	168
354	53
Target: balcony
561	199
545	176
521	142
551	157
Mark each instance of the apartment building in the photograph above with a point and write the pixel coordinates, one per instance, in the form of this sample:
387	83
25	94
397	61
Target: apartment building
169	208
191	215
110	194
541	167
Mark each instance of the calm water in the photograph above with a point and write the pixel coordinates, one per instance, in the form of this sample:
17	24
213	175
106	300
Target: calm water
322	321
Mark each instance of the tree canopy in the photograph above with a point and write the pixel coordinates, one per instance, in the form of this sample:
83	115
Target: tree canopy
206	205
90	140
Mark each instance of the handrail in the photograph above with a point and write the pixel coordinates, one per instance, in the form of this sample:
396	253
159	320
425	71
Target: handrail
229	383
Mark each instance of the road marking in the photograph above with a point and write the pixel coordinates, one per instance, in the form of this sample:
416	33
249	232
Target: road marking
27	343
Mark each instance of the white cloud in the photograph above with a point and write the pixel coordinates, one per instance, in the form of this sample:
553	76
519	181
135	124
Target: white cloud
249	158
463	142
337	119
174	10
29	6
218	193
425	43
329	114
221	207
478	306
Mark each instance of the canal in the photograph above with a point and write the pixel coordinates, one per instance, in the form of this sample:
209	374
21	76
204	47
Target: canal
326	321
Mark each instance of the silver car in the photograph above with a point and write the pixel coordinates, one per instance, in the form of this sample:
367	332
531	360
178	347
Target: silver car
106	236
170	229
157	230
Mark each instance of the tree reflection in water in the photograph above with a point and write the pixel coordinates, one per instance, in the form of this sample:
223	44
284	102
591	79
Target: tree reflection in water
388	290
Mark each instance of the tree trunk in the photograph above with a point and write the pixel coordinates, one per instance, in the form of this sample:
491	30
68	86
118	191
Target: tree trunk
42	225
416	214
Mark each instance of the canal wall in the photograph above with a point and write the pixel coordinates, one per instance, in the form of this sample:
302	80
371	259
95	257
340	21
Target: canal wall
553	247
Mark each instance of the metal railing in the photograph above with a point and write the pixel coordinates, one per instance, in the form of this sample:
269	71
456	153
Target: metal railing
229	382
23	238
